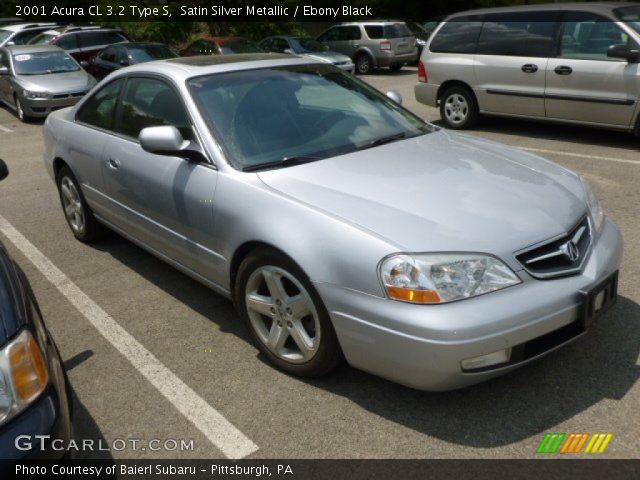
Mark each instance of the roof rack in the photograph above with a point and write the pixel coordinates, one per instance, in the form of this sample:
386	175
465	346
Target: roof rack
30	25
75	28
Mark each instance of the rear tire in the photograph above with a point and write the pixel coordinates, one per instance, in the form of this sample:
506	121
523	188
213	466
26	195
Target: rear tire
459	108
79	216
364	64
285	316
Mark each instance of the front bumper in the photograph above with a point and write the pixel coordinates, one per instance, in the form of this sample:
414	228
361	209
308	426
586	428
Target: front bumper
422	346
44	417
41	107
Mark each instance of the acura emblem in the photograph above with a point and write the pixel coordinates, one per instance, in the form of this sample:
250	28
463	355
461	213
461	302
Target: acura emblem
570	250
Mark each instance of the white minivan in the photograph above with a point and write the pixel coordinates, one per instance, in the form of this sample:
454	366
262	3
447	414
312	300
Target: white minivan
575	63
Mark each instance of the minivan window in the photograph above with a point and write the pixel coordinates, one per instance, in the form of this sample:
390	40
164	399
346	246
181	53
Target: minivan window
520	34
588	36
630	15
458	35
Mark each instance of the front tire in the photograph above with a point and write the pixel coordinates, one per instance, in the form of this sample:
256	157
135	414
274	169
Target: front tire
79	216
459	108
22	116
285	316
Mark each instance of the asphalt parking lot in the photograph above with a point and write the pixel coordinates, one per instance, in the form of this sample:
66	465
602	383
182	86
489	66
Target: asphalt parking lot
151	354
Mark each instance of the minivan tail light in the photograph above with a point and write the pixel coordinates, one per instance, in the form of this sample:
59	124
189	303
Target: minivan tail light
385	45
422	72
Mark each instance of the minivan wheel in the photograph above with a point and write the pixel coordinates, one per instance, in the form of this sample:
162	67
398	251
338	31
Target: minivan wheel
459	108
79	216
285	316
364	64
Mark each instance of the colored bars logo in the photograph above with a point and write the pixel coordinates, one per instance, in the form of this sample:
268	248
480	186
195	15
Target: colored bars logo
574	443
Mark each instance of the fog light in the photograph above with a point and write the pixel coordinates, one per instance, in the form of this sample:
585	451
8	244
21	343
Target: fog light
484	361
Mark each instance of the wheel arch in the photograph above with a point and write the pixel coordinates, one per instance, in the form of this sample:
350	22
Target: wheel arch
58	164
454	83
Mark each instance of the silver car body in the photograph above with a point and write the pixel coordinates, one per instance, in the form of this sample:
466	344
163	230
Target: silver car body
59	89
280	44
567	86
21	33
439	192
352	39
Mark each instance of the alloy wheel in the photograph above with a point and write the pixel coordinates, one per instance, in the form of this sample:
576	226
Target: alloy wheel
72	205
282	314
456	109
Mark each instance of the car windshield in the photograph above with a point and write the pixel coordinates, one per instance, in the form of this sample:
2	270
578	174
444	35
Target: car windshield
306	44
630	15
40	63
42	39
150	52
306	112
4	34
239	46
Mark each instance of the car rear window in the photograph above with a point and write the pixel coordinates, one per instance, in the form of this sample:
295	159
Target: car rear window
458	35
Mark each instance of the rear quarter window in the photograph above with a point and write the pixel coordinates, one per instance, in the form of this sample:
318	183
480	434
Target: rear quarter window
458	35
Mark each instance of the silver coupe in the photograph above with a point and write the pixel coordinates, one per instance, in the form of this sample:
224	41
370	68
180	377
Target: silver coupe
342	225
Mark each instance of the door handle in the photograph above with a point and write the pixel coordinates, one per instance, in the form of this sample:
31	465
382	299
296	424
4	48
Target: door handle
563	70
529	68
112	163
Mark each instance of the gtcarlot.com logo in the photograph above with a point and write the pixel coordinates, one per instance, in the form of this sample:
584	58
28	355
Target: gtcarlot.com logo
574	443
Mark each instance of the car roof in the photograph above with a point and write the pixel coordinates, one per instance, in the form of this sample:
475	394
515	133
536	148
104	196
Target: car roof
182	68
18	27
24	49
602	7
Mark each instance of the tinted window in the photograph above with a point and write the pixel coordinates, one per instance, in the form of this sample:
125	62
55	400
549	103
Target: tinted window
148	102
278	45
374	31
121	57
589	36
99	110
330	35
397	30
524	34
350	33
68	42
149	53
108	55
458	35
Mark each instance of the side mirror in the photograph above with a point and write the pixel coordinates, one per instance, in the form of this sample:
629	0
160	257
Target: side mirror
4	170
395	96
10	43
167	140
624	52
4	71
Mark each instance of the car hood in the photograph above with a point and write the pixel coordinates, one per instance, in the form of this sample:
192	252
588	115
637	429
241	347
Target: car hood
331	57
442	192
57	82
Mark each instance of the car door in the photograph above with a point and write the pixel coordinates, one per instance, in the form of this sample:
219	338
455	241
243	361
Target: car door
162	201
511	61
94	123
583	84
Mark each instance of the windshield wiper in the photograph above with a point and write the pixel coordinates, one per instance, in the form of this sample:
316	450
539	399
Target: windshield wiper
382	140
284	162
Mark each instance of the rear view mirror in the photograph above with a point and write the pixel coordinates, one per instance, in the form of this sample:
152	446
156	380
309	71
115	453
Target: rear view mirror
167	140
624	52
395	96
4	170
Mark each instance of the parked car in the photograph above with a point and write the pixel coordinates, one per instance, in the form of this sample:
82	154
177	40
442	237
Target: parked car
573	63
421	34
373	44
22	33
340	223
220	46
307	47
35	396
121	55
38	79
82	43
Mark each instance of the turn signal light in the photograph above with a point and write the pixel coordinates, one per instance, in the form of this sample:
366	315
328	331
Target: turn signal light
422	72
413	296
28	369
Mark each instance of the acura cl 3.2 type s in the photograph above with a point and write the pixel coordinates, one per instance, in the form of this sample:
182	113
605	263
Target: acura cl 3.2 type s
343	226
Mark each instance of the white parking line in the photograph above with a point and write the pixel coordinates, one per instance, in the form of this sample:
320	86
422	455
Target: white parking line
581	155
227	438
5	129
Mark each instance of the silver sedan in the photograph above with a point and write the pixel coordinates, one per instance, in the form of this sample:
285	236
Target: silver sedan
343	226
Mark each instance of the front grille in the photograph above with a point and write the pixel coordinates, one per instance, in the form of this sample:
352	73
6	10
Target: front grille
560	256
68	95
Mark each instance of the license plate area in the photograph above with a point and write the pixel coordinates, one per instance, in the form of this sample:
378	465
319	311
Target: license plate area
599	299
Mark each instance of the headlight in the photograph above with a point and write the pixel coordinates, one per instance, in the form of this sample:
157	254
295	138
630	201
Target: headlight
23	375
597	215
441	278
31	94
